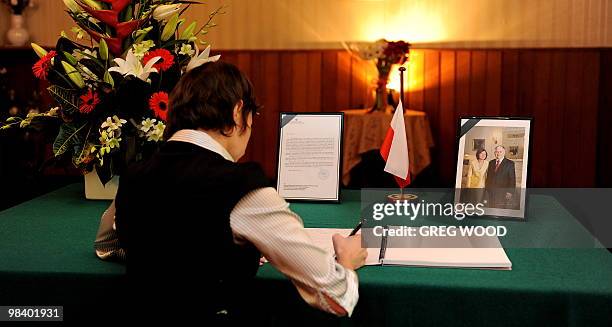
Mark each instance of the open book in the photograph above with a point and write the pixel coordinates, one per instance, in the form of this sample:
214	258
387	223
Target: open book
457	252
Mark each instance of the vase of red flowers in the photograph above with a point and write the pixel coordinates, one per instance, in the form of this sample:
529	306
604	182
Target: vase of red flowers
385	54
17	34
110	81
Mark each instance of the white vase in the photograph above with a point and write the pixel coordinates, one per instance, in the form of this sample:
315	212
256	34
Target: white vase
17	35
94	190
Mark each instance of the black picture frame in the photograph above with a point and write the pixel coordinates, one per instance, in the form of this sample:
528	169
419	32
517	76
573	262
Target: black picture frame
338	176
496	213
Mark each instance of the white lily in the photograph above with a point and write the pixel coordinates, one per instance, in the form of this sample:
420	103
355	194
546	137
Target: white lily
113	123
163	12
157	132
140	49
147	124
187	50
201	58
132	66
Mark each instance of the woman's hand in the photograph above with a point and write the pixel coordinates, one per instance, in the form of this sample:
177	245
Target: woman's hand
349	252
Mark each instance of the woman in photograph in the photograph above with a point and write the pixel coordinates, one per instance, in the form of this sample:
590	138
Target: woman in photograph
477	170
476	177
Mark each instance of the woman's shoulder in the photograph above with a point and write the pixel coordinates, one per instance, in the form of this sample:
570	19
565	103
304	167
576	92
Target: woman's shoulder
250	174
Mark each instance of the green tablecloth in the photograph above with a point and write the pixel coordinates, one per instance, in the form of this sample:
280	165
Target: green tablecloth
46	257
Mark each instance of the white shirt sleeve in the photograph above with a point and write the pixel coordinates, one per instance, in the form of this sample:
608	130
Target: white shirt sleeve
263	218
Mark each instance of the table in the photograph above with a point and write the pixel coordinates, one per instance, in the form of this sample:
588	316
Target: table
365	131
46	257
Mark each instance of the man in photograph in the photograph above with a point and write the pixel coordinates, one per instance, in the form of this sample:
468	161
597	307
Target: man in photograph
500	182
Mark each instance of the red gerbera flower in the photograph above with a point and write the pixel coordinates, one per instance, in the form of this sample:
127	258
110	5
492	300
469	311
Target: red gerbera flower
42	66
164	63
159	104
89	101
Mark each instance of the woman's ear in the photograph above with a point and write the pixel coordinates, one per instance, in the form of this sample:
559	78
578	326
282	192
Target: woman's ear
238	113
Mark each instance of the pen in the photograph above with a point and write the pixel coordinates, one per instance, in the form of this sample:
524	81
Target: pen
356	229
383	247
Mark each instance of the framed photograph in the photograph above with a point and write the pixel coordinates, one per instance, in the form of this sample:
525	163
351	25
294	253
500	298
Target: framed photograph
494	173
310	156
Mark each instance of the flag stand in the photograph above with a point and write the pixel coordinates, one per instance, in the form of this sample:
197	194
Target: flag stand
401	196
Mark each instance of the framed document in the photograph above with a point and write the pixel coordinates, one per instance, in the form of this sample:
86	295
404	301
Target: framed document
492	162
310	156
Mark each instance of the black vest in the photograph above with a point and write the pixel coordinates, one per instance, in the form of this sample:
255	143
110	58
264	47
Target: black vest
172	219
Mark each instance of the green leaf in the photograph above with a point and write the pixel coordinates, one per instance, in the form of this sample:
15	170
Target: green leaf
188	32
93	59
67	138
73	74
71	59
109	79
93	4
170	28
127	13
40	52
103	50
81	147
67	99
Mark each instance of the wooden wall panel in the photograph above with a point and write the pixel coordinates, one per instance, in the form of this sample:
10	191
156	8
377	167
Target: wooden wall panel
526	83
299	82
343	80
571	120
604	119
446	129
286	75
492	105
568	92
478	82
554	116
313	81
540	107
510	85
462	84
587	149
415	82
358	88
560	88
431	84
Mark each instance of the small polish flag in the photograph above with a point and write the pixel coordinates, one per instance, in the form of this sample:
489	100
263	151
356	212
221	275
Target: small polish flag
395	149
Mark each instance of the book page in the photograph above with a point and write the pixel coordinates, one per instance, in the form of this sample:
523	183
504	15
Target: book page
458	251
322	237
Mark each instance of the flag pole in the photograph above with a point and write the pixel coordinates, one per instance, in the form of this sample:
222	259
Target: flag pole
402	69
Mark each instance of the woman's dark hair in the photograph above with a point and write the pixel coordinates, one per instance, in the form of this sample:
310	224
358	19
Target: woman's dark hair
205	98
479	151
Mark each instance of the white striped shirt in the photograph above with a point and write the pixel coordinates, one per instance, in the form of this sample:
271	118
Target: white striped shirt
264	219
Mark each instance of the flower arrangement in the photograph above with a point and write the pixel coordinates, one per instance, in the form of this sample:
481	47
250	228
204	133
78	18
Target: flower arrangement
17	6
111	81
386	54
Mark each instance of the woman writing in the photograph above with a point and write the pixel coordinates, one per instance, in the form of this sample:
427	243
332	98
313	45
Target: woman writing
194	222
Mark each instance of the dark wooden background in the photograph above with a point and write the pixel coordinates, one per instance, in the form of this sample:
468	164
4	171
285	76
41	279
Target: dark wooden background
568	92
